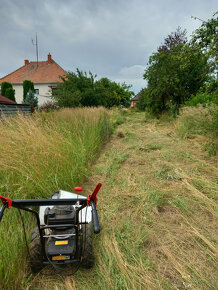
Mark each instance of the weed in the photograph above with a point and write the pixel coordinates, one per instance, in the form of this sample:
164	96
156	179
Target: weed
179	203
211	147
154	146
158	199
118	117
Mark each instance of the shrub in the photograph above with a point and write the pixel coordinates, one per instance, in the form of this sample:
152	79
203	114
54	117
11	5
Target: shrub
27	85
31	99
4	87
202	99
82	89
48	106
9	93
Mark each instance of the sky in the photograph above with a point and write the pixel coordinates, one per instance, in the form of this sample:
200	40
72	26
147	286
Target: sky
110	38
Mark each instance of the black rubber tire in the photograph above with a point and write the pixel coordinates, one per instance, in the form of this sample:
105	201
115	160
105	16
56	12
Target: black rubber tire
36	258
87	251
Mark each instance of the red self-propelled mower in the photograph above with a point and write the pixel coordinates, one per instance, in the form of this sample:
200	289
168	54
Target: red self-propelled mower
63	235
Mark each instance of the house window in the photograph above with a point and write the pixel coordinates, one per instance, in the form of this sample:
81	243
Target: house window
36	91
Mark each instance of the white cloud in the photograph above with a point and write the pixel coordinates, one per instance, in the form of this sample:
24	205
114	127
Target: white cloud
132	75
112	38
134	71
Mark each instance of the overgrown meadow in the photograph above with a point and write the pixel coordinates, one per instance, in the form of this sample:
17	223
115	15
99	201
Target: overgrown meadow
39	155
157	207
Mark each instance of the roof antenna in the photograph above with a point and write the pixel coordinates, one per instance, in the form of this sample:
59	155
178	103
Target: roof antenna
36	44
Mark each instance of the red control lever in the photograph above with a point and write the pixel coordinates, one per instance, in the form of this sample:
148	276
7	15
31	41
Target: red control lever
93	196
8	200
78	189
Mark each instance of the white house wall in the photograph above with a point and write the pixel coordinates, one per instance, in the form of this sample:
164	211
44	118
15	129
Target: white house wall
18	93
43	96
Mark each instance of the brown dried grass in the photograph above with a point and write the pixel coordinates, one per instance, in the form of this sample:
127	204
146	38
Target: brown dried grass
157	212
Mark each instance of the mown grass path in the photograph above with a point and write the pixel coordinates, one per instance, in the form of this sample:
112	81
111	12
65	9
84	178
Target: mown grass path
157	213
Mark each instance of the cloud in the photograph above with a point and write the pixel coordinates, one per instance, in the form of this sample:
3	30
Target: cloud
132	75
135	71
110	38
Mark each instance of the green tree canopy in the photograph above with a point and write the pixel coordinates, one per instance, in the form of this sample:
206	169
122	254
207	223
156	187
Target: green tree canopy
175	72
206	38
82	89
4	87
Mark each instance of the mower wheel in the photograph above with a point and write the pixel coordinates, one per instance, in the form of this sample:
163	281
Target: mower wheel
36	258
87	252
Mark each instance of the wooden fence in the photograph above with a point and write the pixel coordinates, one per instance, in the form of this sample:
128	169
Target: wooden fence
13	109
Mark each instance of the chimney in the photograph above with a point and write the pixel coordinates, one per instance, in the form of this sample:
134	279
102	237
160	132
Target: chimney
26	62
49	58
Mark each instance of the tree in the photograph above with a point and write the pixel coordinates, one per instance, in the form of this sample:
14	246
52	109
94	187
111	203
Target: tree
175	72
4	87
31	99
206	38
174	39
111	94
74	90
142	100
9	93
27	85
82	89
123	90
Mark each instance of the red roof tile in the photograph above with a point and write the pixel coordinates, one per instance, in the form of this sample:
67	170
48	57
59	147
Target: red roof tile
4	100
43	72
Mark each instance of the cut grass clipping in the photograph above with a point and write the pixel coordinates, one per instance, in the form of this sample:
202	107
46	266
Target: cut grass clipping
157	211
39	155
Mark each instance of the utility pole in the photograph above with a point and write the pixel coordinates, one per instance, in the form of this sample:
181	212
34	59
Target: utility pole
36	45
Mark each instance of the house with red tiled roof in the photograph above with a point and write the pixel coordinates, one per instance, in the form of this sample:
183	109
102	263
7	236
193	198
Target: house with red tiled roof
44	74
135	100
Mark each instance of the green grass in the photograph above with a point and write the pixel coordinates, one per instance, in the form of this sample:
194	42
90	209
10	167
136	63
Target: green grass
157	211
39	155
200	121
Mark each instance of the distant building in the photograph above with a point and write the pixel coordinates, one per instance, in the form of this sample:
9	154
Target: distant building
44	75
136	99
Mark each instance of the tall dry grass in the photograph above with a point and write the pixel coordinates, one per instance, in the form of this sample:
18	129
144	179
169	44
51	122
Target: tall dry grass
201	121
157	211
40	154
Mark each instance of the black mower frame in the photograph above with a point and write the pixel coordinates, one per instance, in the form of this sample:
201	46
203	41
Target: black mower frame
91	200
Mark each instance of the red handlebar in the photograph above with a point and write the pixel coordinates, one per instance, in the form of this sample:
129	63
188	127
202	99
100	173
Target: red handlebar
93	196
8	200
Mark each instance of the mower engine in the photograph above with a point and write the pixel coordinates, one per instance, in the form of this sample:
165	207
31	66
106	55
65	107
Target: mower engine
61	242
67	234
